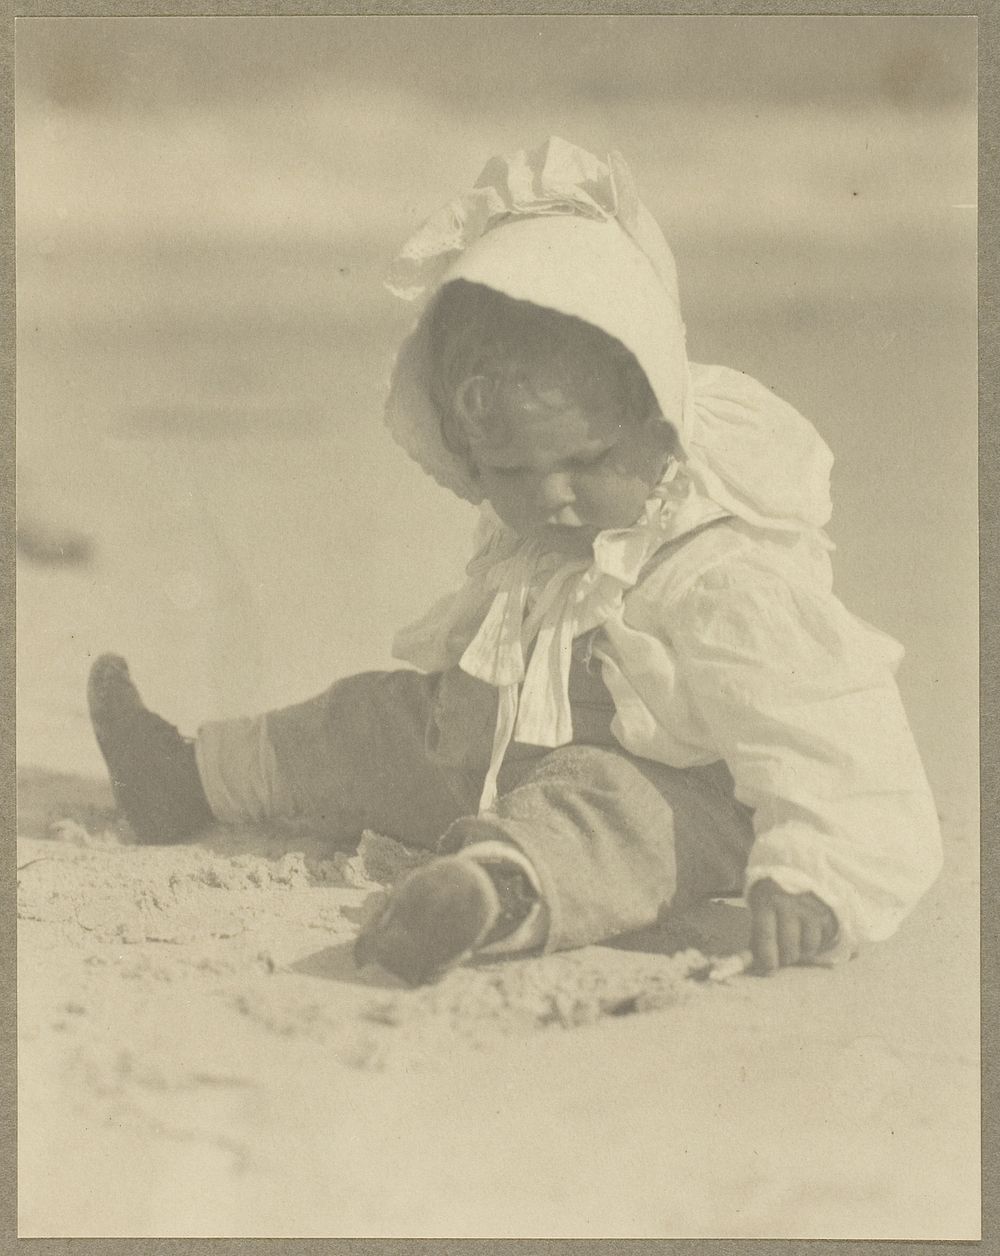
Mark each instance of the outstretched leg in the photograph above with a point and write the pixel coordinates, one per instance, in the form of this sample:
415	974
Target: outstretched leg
363	754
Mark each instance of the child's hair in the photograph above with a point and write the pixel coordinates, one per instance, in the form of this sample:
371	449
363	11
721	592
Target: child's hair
505	345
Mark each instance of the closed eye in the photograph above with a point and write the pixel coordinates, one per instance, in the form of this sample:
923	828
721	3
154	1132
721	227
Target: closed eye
592	460
582	462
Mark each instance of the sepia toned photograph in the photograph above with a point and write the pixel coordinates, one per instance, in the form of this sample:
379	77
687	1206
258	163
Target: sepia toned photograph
497	645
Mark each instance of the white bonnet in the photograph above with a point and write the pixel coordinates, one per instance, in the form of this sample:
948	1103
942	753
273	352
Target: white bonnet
557	227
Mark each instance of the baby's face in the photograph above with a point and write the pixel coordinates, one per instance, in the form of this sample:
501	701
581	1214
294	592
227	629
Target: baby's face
558	467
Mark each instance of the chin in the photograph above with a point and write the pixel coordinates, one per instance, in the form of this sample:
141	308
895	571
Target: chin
572	537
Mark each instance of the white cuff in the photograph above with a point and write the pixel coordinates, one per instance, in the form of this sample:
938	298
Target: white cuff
239	771
531	933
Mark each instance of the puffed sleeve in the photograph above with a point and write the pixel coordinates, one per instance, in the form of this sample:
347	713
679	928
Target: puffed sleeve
799	697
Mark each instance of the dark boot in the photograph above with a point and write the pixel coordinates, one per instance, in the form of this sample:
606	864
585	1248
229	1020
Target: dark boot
444	912
153	771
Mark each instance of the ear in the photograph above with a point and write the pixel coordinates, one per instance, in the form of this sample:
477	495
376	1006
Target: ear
473	399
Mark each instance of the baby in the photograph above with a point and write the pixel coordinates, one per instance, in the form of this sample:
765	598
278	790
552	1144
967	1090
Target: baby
645	693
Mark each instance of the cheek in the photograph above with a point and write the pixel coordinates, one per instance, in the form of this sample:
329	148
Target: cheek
633	471
644	457
610	499
638	469
618	493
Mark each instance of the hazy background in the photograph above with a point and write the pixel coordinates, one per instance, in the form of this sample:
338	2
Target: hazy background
206	208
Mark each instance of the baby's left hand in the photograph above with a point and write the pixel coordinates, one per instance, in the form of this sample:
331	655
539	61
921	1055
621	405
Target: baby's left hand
787	928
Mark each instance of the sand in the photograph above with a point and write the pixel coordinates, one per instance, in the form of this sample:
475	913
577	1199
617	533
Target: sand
200	1056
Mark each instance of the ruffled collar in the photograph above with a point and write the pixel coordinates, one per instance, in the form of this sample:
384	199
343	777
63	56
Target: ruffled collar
544	599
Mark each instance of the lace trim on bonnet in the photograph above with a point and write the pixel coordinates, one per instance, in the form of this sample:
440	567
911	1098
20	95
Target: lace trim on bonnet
556	178
743	451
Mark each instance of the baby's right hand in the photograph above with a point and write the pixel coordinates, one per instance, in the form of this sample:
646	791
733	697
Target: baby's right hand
787	928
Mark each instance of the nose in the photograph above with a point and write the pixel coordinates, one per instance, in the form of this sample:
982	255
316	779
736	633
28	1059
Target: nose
555	490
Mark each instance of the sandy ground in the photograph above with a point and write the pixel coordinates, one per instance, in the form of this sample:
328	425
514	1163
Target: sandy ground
199	1056
202	340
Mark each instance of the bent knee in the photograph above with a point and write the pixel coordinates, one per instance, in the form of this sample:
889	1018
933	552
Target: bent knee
603	765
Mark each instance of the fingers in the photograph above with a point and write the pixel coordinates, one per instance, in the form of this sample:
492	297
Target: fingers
813	938
789	933
787	928
777	937
764	939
